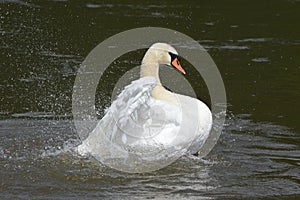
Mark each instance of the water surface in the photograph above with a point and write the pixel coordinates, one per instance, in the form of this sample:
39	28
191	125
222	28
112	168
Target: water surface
255	46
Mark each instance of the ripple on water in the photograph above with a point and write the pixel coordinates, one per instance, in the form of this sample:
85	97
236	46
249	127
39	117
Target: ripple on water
259	60
250	159
21	3
255	40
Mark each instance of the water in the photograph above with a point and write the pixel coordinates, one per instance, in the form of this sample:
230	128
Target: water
255	45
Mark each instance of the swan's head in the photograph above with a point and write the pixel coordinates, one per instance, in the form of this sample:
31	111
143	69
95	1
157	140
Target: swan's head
163	53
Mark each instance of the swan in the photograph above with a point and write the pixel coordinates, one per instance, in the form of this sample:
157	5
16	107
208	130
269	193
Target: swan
146	119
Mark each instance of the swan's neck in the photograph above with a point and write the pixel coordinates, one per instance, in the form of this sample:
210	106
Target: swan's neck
150	67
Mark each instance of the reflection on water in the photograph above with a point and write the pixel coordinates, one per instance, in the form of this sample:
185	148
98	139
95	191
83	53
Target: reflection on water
255	45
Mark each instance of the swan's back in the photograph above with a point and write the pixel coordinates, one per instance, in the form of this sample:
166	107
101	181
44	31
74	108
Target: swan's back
196	123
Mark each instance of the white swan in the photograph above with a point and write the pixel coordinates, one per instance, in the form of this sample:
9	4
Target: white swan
146	121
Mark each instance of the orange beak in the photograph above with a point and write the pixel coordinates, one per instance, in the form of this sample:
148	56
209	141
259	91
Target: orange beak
175	63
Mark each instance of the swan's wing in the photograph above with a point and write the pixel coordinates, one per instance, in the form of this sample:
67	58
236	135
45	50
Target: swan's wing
139	118
131	107
134	122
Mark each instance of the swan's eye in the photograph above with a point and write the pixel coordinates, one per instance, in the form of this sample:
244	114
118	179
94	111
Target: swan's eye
173	56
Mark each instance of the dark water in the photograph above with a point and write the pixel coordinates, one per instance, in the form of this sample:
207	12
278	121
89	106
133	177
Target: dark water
255	45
